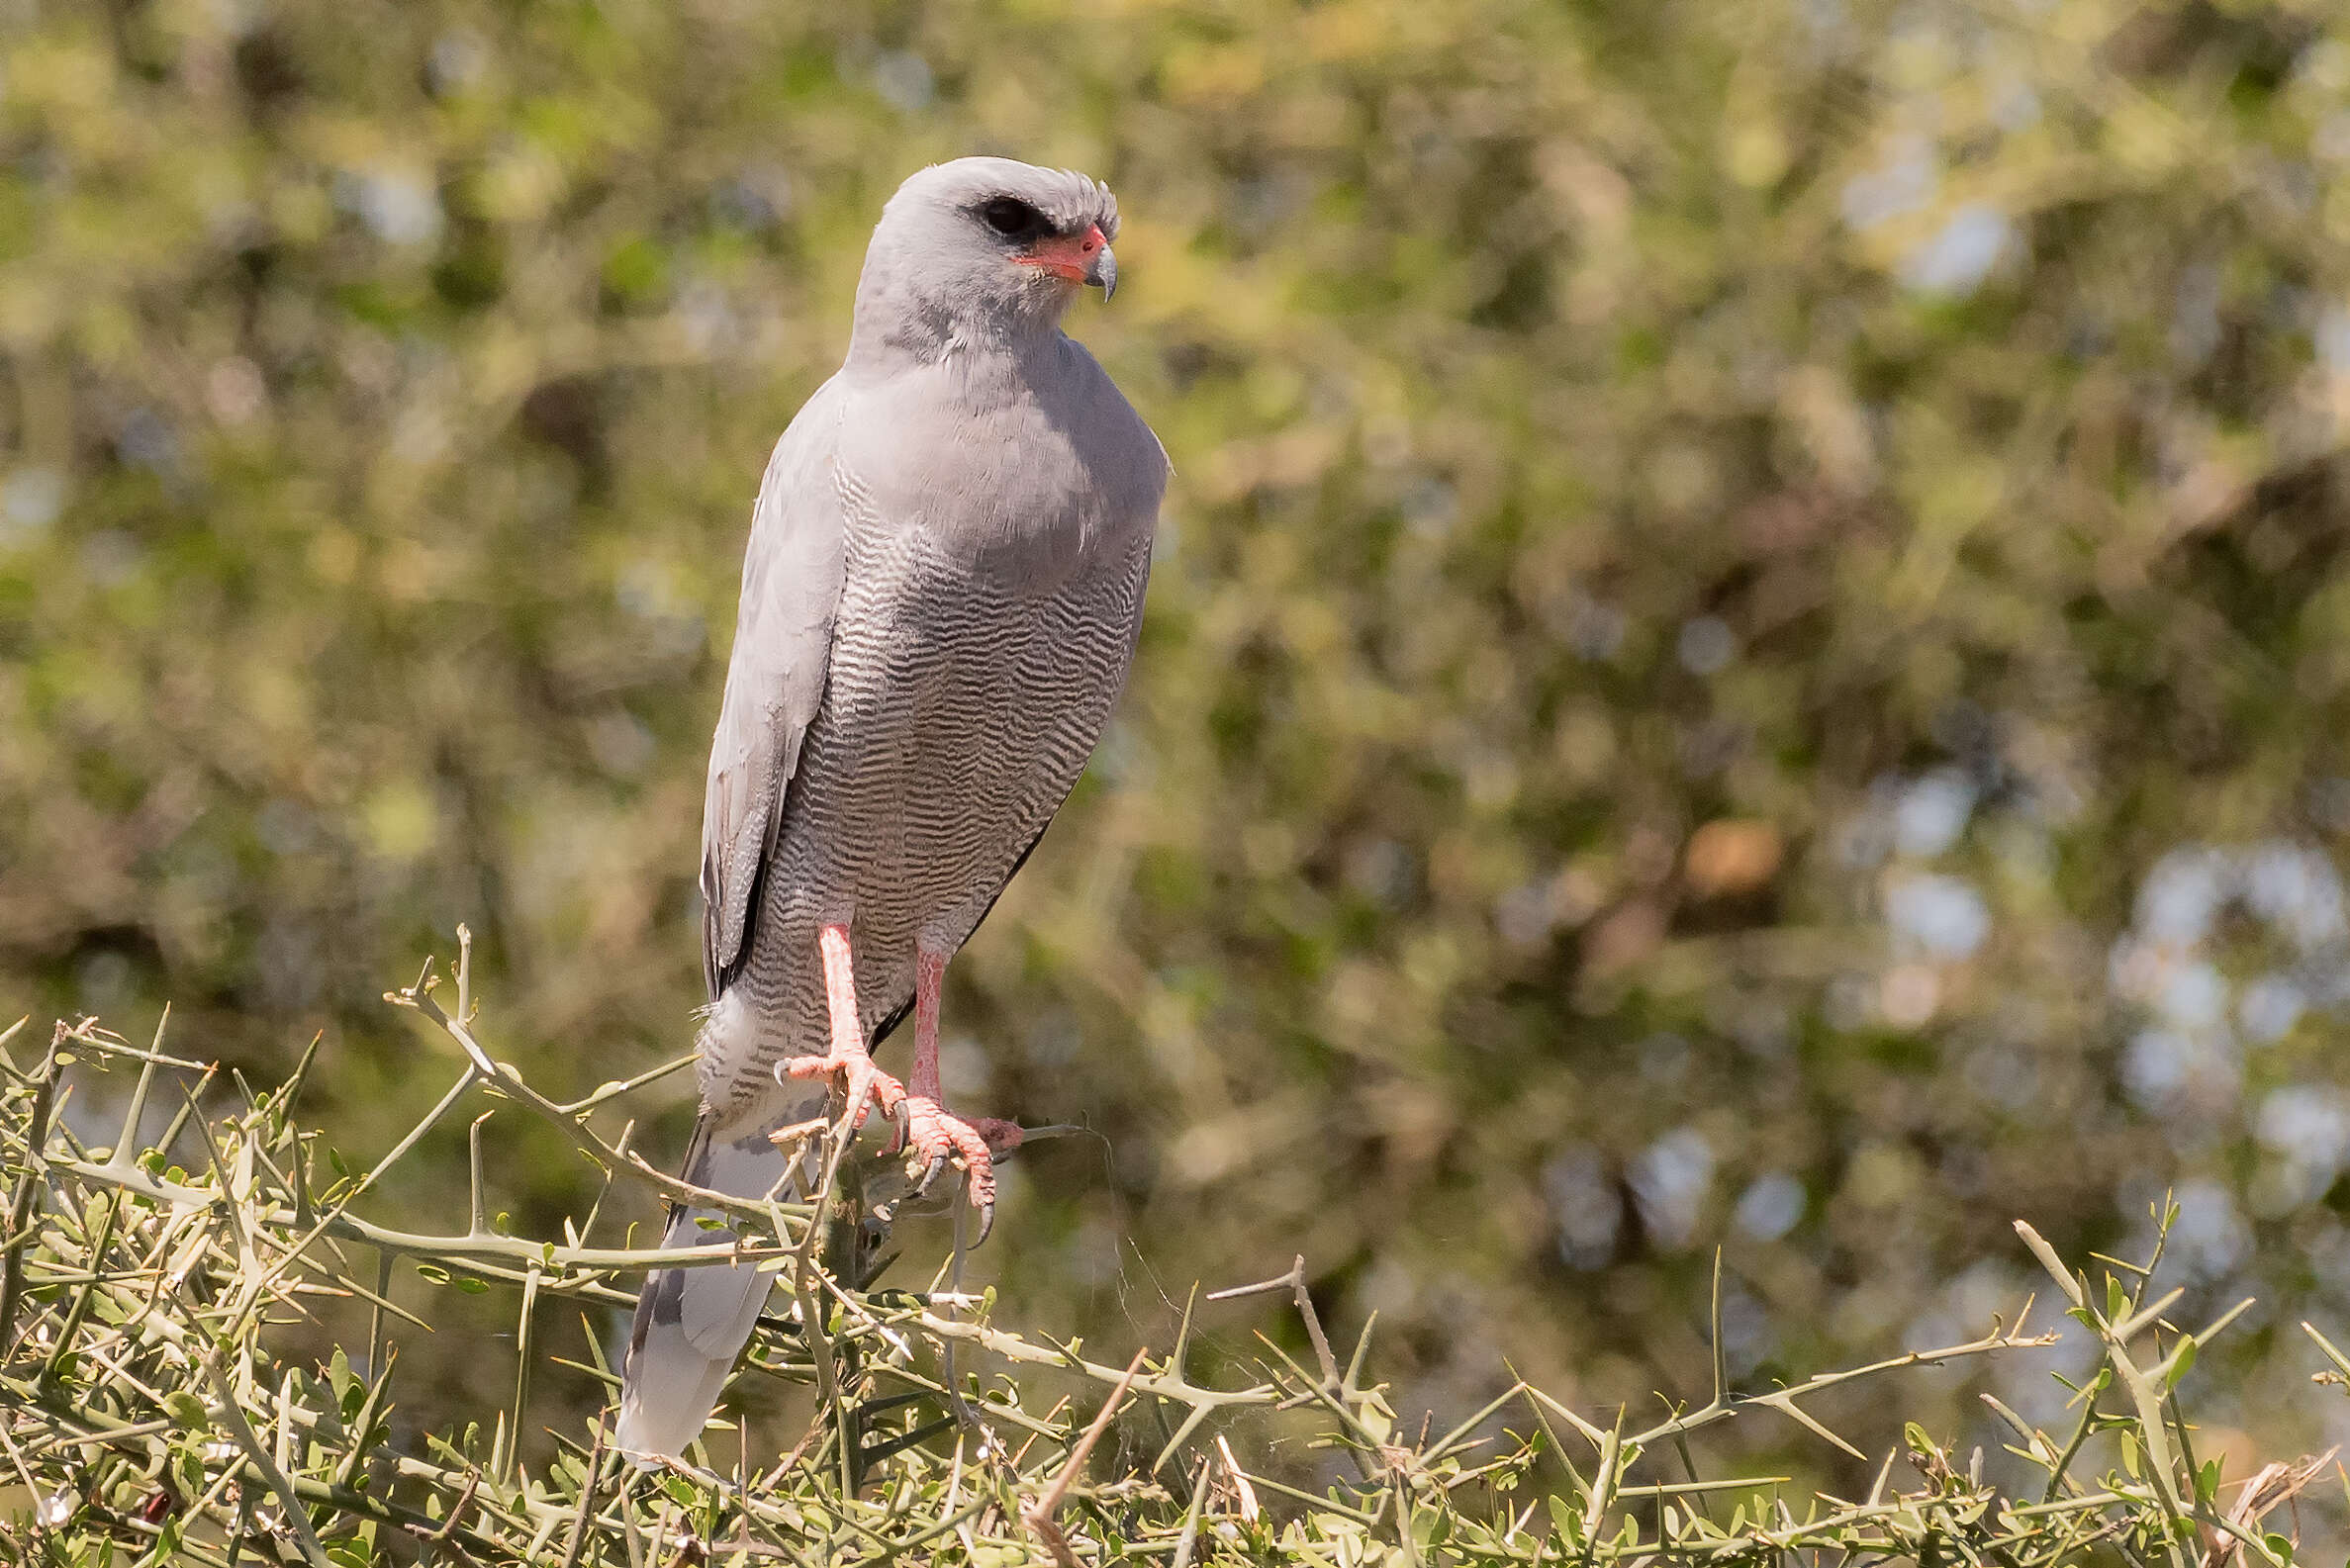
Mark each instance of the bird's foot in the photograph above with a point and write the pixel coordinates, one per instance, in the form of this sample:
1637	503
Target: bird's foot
935	1138
863	1085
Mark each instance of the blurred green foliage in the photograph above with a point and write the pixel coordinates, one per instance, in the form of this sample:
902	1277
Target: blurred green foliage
1750	647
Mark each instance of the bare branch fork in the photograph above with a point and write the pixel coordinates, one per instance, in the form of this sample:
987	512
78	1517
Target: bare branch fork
569	1119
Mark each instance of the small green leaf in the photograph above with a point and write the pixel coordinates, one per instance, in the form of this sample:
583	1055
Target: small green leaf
472	1286
186	1409
2180	1359
432	1273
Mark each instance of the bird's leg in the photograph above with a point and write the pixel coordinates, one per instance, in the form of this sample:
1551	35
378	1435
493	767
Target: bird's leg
932	1134
848	1059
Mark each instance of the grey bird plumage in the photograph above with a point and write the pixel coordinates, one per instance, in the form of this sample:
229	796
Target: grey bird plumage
940	600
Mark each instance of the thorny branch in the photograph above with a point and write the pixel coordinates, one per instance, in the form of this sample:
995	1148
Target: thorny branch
140	1403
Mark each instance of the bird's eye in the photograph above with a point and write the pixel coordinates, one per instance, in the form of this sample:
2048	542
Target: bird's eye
1008	215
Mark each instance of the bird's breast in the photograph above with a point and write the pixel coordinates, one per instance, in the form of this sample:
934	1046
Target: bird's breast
956	717
1007	483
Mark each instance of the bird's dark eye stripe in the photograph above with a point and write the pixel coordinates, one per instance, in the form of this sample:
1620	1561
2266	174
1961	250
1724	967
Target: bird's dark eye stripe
1008	215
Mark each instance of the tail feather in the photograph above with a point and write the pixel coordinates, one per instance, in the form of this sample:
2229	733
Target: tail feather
692	1323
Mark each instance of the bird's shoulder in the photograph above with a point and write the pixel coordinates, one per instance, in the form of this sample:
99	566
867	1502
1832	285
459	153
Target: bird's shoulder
805	448
1117	444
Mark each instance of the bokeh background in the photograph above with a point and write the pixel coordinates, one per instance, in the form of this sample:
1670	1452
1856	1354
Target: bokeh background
1749	649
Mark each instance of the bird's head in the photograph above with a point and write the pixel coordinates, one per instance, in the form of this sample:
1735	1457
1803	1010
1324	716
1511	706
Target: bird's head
987	248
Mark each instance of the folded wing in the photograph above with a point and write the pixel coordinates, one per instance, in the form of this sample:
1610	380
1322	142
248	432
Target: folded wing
782	644
691	1323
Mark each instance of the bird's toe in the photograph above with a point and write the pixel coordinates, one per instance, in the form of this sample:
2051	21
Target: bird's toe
864	1087
935	1139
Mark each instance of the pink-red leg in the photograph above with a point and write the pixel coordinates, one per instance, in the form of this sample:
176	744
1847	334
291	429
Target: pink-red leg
848	1059
932	1132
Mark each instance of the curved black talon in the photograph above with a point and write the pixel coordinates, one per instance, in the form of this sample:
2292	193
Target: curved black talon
938	1164
987	1224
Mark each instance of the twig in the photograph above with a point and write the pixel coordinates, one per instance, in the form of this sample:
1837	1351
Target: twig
570	1120
20	1212
1294	1282
1038	1515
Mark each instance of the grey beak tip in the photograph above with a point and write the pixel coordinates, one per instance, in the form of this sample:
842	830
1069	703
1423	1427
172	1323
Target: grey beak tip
1104	274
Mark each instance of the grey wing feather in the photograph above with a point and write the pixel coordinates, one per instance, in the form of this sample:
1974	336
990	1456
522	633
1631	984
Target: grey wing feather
690	1323
782	646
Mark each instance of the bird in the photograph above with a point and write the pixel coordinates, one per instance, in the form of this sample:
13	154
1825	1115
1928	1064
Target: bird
941	599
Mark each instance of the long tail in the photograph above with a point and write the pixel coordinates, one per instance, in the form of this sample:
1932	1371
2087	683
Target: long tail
691	1323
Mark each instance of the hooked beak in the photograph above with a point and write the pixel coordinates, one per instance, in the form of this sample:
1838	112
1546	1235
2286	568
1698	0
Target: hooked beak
1087	260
